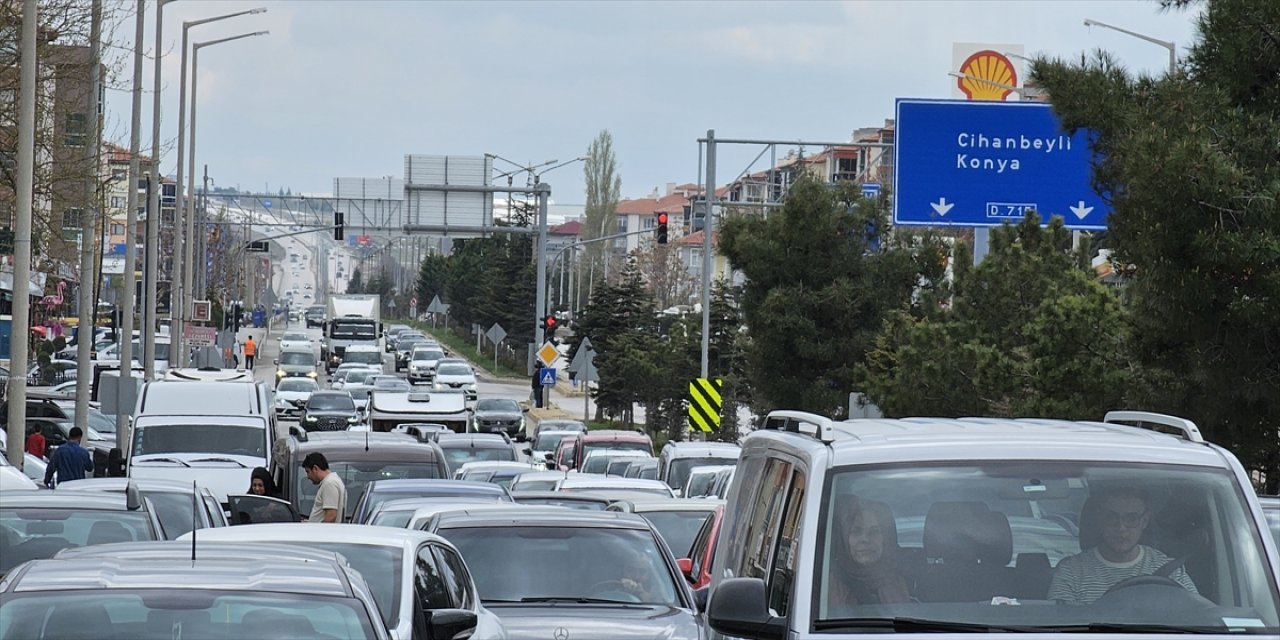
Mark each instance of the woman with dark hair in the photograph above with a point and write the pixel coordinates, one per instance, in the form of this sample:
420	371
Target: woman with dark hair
261	484
864	560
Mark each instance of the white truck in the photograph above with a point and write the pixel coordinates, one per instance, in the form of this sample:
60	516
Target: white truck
353	319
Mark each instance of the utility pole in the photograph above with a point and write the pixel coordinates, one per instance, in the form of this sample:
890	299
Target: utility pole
708	225
89	229
543	192
150	306
22	237
131	226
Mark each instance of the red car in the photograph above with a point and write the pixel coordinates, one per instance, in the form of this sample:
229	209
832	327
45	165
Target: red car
697	568
610	439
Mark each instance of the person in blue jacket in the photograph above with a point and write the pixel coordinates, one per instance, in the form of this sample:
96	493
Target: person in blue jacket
71	461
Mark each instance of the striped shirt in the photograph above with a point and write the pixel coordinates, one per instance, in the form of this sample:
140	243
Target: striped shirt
1084	577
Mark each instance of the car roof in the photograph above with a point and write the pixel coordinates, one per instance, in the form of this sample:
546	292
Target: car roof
450	440
440	486
278	575
79	500
158	549
362	347
341	446
494	465
615	434
545	475
539	516
586	496
710	469
330	392
587	480
701	449
156	485
302	533
872	440
645	505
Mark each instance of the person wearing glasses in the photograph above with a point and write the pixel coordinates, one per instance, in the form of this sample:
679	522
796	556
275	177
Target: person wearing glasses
1122	517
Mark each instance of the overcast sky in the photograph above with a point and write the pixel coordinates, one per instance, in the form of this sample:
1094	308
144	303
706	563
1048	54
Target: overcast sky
348	88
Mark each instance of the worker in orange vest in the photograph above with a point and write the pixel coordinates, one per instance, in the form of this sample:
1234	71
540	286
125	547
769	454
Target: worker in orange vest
250	350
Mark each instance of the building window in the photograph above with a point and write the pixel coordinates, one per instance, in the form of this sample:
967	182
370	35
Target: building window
119	202
622	224
119	174
77	130
71	219
650	222
166	215
117	229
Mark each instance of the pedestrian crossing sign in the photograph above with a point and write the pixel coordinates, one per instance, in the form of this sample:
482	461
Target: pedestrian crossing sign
548	377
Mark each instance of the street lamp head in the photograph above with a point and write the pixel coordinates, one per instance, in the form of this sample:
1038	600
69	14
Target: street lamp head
258	10
1088	22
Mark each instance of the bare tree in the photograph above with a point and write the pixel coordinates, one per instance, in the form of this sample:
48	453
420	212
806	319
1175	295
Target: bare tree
664	273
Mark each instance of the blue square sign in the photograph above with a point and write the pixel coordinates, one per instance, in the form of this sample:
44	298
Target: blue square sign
979	164
548	377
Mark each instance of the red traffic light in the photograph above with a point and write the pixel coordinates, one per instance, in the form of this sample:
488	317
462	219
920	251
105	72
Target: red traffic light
662	218
549	322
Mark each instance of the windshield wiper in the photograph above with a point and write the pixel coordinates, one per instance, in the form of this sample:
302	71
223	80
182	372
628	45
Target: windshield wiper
576	600
908	625
242	465
1135	627
173	460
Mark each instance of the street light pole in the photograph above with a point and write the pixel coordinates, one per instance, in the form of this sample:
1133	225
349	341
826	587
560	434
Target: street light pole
149	325
183	222
131	225
1171	46
24	192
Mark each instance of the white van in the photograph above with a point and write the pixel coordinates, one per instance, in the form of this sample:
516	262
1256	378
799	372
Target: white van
212	432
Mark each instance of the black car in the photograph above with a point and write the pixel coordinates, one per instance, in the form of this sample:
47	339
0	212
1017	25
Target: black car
329	411
499	415
315	316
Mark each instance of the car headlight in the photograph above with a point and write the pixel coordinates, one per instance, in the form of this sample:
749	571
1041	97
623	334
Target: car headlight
280	373
471	387
312	374
353	419
311	418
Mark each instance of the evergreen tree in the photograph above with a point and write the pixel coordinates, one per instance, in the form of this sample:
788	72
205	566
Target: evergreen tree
1189	161
817	290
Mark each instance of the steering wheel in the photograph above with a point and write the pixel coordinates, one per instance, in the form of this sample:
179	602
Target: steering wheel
1141	581
612	586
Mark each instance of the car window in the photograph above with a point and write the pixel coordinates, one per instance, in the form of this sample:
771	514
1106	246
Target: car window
428	584
455	577
297	358
497	404
298	384
784	558
40	533
199	438
679	468
453	370
677	528
762	521
698	548
330	402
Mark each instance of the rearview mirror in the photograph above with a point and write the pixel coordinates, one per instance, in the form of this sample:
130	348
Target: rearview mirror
739	607
451	623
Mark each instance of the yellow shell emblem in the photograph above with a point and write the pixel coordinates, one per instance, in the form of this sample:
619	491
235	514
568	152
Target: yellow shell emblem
987	74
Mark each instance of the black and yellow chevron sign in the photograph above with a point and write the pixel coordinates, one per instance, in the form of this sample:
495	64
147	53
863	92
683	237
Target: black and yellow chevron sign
704	403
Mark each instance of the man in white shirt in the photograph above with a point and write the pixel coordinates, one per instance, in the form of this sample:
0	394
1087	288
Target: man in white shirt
331	494
1086	576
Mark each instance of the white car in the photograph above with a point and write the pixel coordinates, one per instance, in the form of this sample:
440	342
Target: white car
456	376
292	394
295	341
344	374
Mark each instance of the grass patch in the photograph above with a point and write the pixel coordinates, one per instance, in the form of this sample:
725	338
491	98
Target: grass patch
464	348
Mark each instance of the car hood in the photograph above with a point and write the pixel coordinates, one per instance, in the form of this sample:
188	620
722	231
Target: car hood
331	414
552	621
290	396
455	379
310	366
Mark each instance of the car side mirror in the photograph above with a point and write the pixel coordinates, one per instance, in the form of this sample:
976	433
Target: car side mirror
276	361
700	598
551	457
524	409
451	623
686	567
740	608
528	451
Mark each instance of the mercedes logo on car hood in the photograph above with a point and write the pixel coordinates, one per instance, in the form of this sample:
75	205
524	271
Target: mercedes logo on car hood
561	633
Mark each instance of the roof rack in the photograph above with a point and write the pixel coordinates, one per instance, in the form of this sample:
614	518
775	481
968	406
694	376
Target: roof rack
810	424
1144	419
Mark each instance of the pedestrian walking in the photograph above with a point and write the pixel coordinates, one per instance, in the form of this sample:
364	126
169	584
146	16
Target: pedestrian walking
70	461
537	385
250	353
331	493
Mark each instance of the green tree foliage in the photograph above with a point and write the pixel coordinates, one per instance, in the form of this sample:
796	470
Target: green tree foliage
817	292
1190	163
604	189
1029	332
356	283
619	321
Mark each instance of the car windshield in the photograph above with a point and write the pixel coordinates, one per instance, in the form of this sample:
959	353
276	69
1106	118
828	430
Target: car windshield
1108	544
678	528
348	330
228	439
582	505
301	385
176	511
98	421
297	358
295	337
699	483
597	463
616	445
358	392
462	455
397	386
357	475
396	519
572	563
37	533
356	375
198	613
453	370
428	354
330	402
533	485
362	357
498	404
678	469
162	351
549	441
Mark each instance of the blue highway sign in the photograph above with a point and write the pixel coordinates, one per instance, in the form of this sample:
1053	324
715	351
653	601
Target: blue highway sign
870	189
548	377
979	164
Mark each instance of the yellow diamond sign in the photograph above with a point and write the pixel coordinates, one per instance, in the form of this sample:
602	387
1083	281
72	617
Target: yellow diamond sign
548	354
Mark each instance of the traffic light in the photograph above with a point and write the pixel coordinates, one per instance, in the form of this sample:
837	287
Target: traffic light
661	230
337	225
548	323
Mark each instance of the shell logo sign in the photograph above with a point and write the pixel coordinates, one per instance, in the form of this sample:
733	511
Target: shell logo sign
987	75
